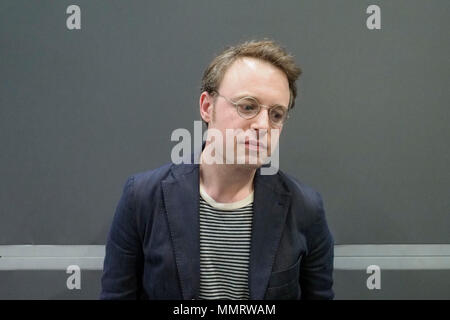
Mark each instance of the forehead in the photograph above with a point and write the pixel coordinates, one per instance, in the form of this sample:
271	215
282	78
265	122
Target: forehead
257	78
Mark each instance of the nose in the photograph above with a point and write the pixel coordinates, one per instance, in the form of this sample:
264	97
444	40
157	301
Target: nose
261	120
261	125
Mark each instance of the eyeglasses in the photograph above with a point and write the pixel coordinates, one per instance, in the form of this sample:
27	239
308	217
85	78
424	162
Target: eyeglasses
249	107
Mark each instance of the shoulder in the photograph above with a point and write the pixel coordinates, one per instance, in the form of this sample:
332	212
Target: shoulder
308	213
144	195
304	198
147	184
147	180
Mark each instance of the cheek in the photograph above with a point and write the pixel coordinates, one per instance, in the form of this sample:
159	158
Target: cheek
225	118
233	122
274	137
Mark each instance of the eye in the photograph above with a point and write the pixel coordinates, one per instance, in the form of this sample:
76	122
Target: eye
247	105
277	113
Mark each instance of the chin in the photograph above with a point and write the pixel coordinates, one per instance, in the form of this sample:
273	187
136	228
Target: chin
247	166
255	163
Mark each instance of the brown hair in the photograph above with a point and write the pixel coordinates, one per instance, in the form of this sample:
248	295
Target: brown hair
266	50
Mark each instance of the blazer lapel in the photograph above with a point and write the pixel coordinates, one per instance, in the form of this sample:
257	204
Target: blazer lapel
181	192
270	208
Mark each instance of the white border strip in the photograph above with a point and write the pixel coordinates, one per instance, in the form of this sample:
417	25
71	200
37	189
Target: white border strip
346	257
51	257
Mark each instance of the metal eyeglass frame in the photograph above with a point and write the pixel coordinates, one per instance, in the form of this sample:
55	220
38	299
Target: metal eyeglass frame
235	104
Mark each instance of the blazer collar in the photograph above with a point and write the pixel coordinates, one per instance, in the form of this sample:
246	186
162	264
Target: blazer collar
181	199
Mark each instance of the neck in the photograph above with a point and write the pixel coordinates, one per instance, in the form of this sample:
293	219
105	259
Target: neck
227	182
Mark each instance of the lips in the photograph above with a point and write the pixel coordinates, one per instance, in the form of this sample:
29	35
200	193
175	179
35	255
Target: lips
256	143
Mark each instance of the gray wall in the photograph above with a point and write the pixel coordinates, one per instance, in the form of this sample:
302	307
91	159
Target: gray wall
80	110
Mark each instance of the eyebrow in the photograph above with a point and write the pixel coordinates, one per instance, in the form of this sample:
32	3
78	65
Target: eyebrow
246	95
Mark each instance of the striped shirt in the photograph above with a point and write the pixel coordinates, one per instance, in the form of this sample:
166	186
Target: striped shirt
225	234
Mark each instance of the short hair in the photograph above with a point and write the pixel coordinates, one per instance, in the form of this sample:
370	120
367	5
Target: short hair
266	50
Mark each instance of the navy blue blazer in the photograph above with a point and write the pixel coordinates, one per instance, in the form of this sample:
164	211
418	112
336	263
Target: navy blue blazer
153	246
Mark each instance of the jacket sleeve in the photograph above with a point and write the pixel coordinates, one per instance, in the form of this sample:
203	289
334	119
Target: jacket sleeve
316	271
122	266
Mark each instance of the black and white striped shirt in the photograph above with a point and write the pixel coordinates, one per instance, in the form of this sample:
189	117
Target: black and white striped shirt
225	234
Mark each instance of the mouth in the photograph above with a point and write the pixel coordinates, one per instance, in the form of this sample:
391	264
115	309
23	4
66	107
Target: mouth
255	144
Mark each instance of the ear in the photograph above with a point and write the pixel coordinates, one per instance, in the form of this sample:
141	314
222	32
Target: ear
206	106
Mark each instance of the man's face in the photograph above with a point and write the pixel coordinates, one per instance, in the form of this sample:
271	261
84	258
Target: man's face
255	78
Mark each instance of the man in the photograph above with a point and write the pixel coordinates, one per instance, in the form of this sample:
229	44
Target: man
222	229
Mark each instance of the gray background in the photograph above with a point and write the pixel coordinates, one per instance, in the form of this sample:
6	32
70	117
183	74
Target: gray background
80	110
